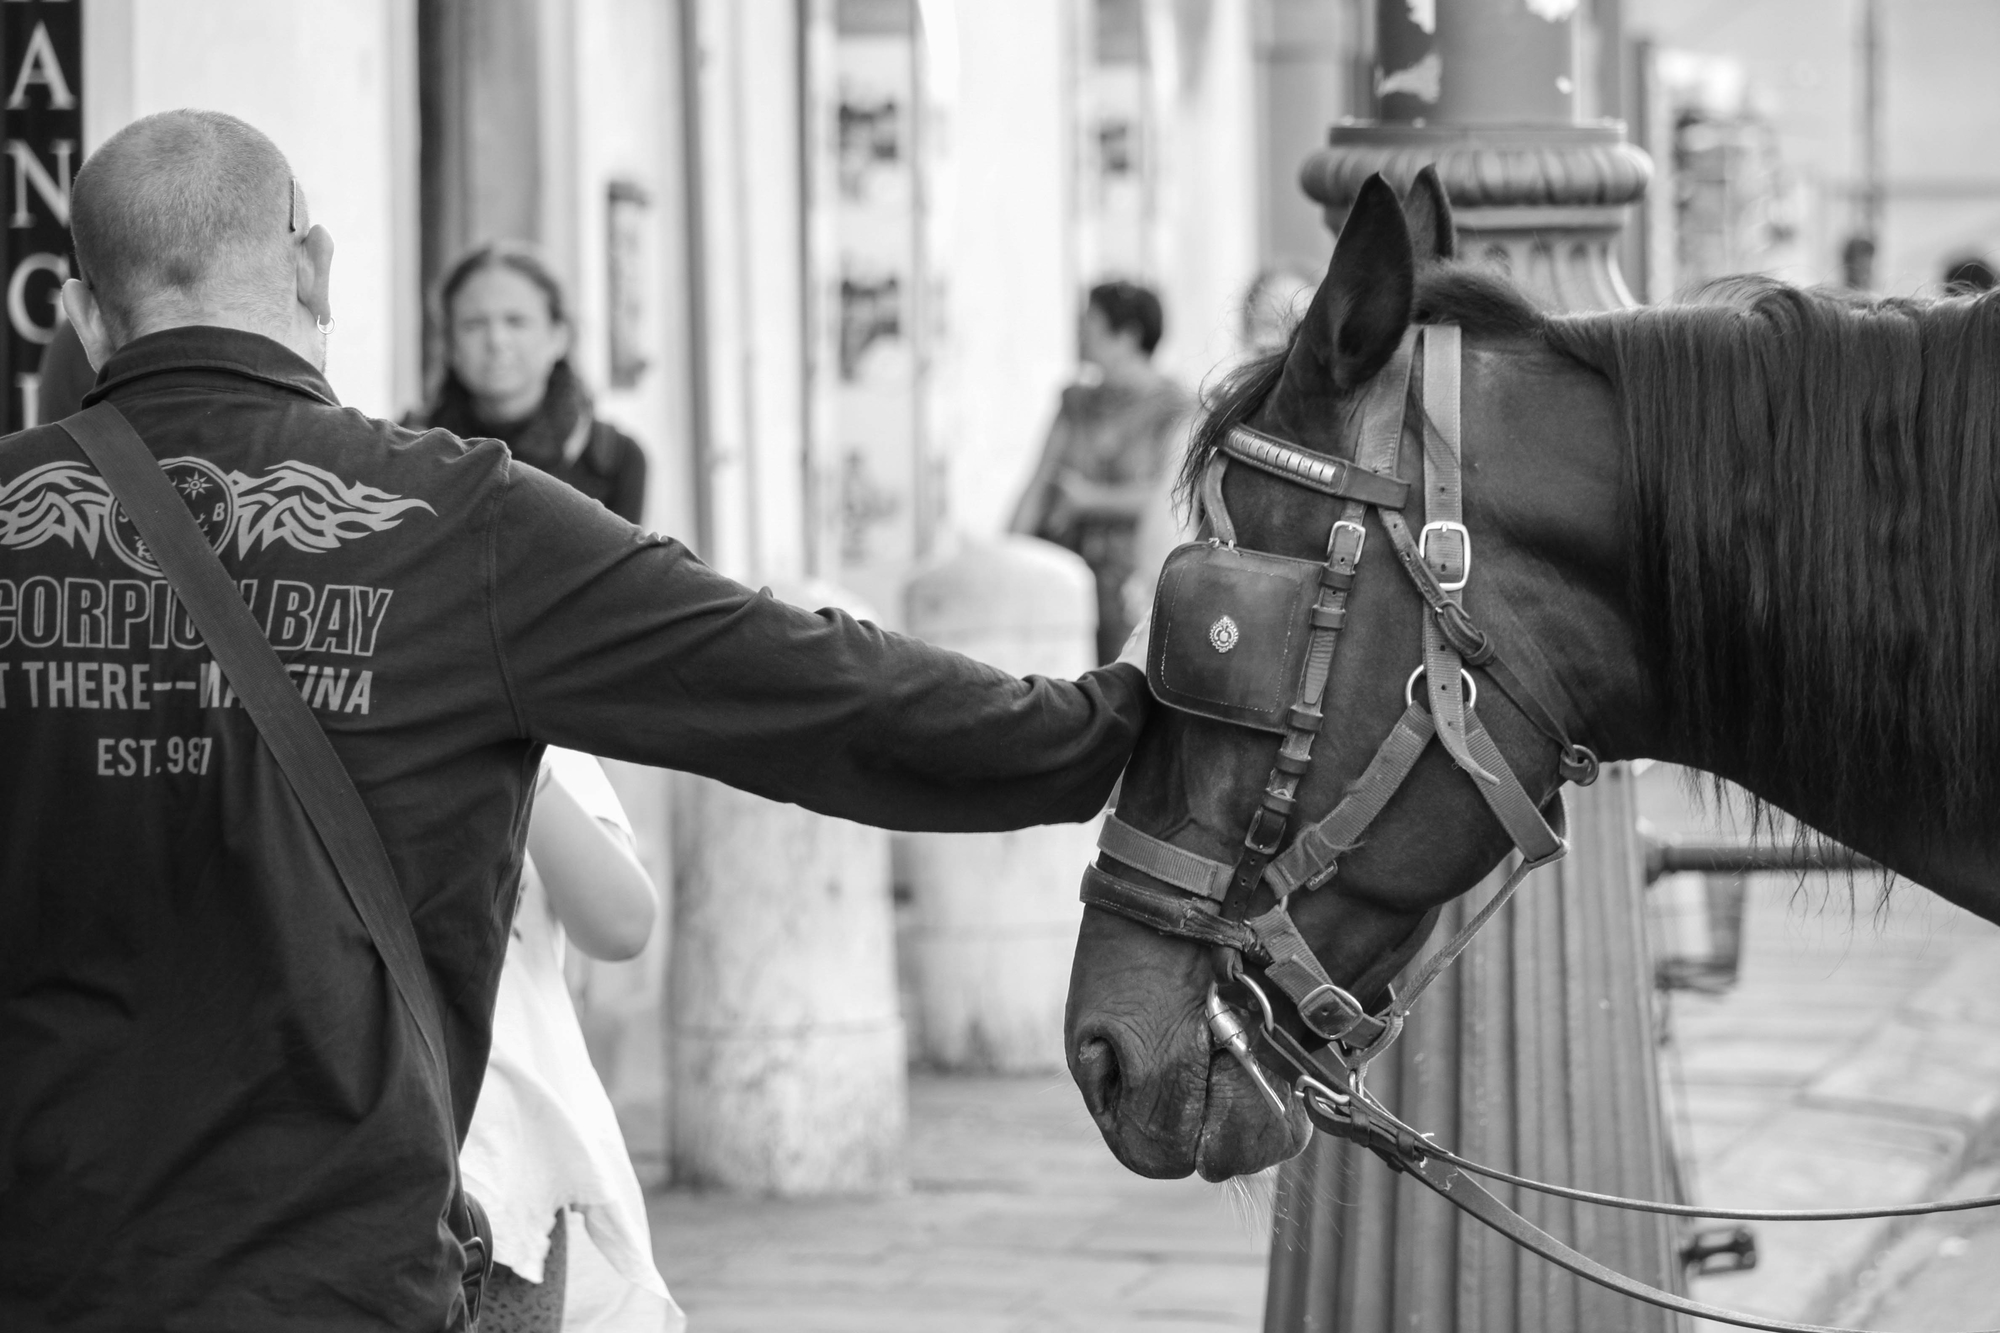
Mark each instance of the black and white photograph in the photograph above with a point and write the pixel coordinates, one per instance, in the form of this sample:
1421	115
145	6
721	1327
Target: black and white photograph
1000	666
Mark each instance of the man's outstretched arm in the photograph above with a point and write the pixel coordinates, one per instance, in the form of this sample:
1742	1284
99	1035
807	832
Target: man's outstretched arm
628	646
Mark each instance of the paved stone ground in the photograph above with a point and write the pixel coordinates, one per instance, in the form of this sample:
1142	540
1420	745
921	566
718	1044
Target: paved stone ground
1939	1274
1847	1069
1016	1221
1859	1060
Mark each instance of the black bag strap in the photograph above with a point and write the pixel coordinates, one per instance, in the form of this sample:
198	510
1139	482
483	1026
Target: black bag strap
287	725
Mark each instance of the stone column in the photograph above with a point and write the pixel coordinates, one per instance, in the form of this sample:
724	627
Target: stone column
1536	1052
994	918
786	1050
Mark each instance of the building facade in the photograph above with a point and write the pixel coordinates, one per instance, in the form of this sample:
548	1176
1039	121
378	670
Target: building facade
826	257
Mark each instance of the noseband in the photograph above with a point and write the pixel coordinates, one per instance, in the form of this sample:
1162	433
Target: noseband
1238	633
1217	601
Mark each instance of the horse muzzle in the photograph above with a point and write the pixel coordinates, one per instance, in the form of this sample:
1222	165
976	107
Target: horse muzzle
1169	1095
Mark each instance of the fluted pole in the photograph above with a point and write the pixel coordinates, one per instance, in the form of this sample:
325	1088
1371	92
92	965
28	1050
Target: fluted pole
1535	1053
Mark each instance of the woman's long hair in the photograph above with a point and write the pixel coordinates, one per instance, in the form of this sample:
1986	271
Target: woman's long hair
518	256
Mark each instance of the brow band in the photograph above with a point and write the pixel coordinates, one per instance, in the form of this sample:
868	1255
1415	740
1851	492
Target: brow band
1317	472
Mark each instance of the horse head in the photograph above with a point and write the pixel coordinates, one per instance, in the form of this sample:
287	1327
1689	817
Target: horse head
1545	582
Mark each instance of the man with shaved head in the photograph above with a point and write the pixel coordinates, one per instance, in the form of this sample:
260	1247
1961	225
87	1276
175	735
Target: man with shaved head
193	217
213	1114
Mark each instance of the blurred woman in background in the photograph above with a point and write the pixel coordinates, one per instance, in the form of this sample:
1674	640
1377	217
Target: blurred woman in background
1107	449
507	376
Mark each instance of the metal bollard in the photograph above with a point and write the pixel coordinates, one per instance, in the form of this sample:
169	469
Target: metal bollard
786	1051
995	914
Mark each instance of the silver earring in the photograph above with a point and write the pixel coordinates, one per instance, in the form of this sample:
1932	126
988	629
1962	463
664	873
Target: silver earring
325	325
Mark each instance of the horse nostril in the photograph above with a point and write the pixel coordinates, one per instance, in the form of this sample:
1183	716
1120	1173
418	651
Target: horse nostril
1097	1075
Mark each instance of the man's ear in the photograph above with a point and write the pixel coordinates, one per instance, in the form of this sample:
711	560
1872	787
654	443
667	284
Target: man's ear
1433	235
80	304
1369	285
314	263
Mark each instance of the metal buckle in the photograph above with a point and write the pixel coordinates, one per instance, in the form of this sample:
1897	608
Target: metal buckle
1350	1006
1464	551
1264	845
1360	537
1471	687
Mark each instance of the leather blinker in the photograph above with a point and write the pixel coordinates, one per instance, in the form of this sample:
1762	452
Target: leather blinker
1230	633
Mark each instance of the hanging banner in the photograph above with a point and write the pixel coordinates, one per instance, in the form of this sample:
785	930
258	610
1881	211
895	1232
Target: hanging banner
41	52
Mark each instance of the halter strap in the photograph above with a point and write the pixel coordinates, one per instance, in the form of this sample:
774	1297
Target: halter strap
1314	855
1326	1008
1187	871
1444	516
1243	906
1189	918
1381	434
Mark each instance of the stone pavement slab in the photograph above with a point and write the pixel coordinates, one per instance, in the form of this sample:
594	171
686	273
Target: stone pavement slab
1017	1221
1887	1117
1939	1274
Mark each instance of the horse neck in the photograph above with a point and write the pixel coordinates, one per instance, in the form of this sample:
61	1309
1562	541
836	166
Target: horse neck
1963	869
1810	617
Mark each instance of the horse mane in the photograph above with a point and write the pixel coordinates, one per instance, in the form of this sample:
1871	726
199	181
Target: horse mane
1813	492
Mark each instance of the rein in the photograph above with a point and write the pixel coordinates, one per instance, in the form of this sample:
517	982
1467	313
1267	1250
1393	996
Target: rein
1240	908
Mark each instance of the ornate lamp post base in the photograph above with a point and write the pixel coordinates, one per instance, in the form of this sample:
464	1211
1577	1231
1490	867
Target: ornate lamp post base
1538	1053
1544	203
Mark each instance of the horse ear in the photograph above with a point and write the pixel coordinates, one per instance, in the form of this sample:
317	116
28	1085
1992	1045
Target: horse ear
1433	234
1369	285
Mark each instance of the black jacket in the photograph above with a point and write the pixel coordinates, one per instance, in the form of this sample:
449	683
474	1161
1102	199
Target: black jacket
207	1112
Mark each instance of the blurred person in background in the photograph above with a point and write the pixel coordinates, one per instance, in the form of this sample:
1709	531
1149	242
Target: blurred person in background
544	1153
1273	305
1108	449
507	377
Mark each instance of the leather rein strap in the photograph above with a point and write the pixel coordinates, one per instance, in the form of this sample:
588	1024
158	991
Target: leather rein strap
1358	1116
1240	908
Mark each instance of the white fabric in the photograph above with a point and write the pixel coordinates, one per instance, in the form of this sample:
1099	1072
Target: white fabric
600	1300
544	1136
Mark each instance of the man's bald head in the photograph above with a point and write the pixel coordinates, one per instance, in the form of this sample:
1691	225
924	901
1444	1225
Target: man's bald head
185	215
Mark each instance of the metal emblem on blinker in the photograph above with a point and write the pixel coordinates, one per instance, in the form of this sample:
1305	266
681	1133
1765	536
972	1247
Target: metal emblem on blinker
1223	634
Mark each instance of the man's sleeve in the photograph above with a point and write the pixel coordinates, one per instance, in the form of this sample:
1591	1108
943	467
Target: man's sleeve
624	644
